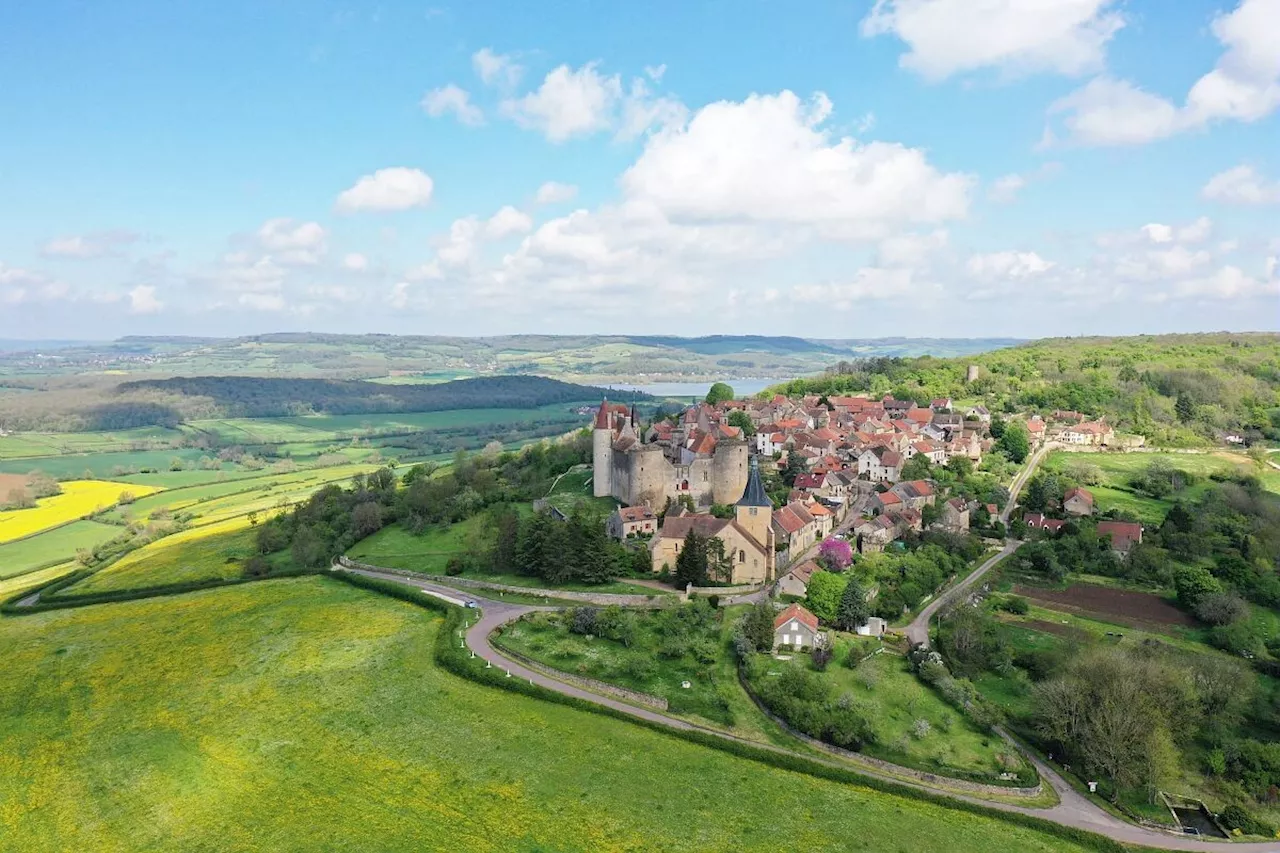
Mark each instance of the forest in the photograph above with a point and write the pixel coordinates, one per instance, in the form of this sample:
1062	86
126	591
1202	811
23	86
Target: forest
1176	390
258	397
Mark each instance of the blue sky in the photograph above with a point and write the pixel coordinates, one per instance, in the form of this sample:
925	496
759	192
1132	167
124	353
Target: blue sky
831	169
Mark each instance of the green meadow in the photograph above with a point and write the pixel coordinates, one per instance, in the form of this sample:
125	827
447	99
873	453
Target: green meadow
53	546
303	714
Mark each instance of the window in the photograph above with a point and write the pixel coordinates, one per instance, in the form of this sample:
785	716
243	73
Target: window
704	476
742	556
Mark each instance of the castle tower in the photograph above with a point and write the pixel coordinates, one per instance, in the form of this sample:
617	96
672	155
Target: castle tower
602	453
754	510
728	470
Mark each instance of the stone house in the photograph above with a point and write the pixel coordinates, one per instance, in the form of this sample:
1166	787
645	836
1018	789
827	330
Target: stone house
955	515
797	628
627	521
1089	433
796	581
916	494
1077	501
880	464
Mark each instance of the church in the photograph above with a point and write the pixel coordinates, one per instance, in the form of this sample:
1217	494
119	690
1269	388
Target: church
748	537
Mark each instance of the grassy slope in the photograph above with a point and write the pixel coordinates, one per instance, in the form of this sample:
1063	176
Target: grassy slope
44	548
291	714
429	552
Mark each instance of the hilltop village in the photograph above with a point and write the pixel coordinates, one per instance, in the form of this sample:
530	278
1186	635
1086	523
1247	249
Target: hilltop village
770	479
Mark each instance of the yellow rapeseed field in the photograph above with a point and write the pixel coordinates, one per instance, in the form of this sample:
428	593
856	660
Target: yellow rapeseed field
78	499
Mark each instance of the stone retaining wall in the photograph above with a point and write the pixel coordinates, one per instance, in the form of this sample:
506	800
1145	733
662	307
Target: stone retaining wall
613	690
889	767
601	598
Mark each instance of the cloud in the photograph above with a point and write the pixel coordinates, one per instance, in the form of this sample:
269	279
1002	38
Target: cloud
1007	265
947	37
99	244
392	189
452	99
398	298
355	262
867	284
643	110
910	249
655	72
1006	188
1241	185
554	193
293	243
19	286
496	69
768	159
569	103
142	300
1244	85
1115	112
506	222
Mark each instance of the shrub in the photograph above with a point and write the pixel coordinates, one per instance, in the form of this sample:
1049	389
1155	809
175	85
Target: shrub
821	657
582	620
1014	604
1235	816
1221	608
456	566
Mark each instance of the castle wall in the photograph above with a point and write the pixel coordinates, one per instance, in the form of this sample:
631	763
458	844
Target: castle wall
602	463
729	472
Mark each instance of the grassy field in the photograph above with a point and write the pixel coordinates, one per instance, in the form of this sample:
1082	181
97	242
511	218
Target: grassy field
289	714
1114	492
211	551
79	498
890	697
429	552
576	488
53	545
107	464
10	587
545	637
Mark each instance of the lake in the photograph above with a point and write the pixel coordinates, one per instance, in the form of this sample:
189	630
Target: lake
741	388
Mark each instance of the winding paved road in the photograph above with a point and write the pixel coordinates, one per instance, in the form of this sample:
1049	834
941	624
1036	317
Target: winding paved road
918	631
1074	809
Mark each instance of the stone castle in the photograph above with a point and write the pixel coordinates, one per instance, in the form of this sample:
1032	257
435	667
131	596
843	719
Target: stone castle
700	457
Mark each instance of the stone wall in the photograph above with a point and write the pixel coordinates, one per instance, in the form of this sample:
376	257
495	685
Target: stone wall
613	690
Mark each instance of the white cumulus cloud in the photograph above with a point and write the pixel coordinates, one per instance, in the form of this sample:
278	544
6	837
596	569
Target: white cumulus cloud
391	189
142	300
99	244
1242	185
770	159
508	221
569	103
496	69
947	37
553	193
1244	85
453	99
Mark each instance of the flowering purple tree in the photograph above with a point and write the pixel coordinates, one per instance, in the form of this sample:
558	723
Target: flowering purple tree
835	554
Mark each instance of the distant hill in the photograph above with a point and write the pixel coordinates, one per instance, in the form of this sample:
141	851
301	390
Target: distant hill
598	359
257	397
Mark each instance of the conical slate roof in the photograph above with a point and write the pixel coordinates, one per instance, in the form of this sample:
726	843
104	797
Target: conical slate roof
753	494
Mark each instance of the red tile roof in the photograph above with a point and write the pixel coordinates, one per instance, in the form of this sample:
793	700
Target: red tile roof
795	611
1124	534
1081	492
636	513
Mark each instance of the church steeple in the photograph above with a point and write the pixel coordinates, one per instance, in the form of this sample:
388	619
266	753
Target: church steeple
754	512
754	494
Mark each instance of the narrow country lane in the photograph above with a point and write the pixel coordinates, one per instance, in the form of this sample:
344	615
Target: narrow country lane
1073	810
918	631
